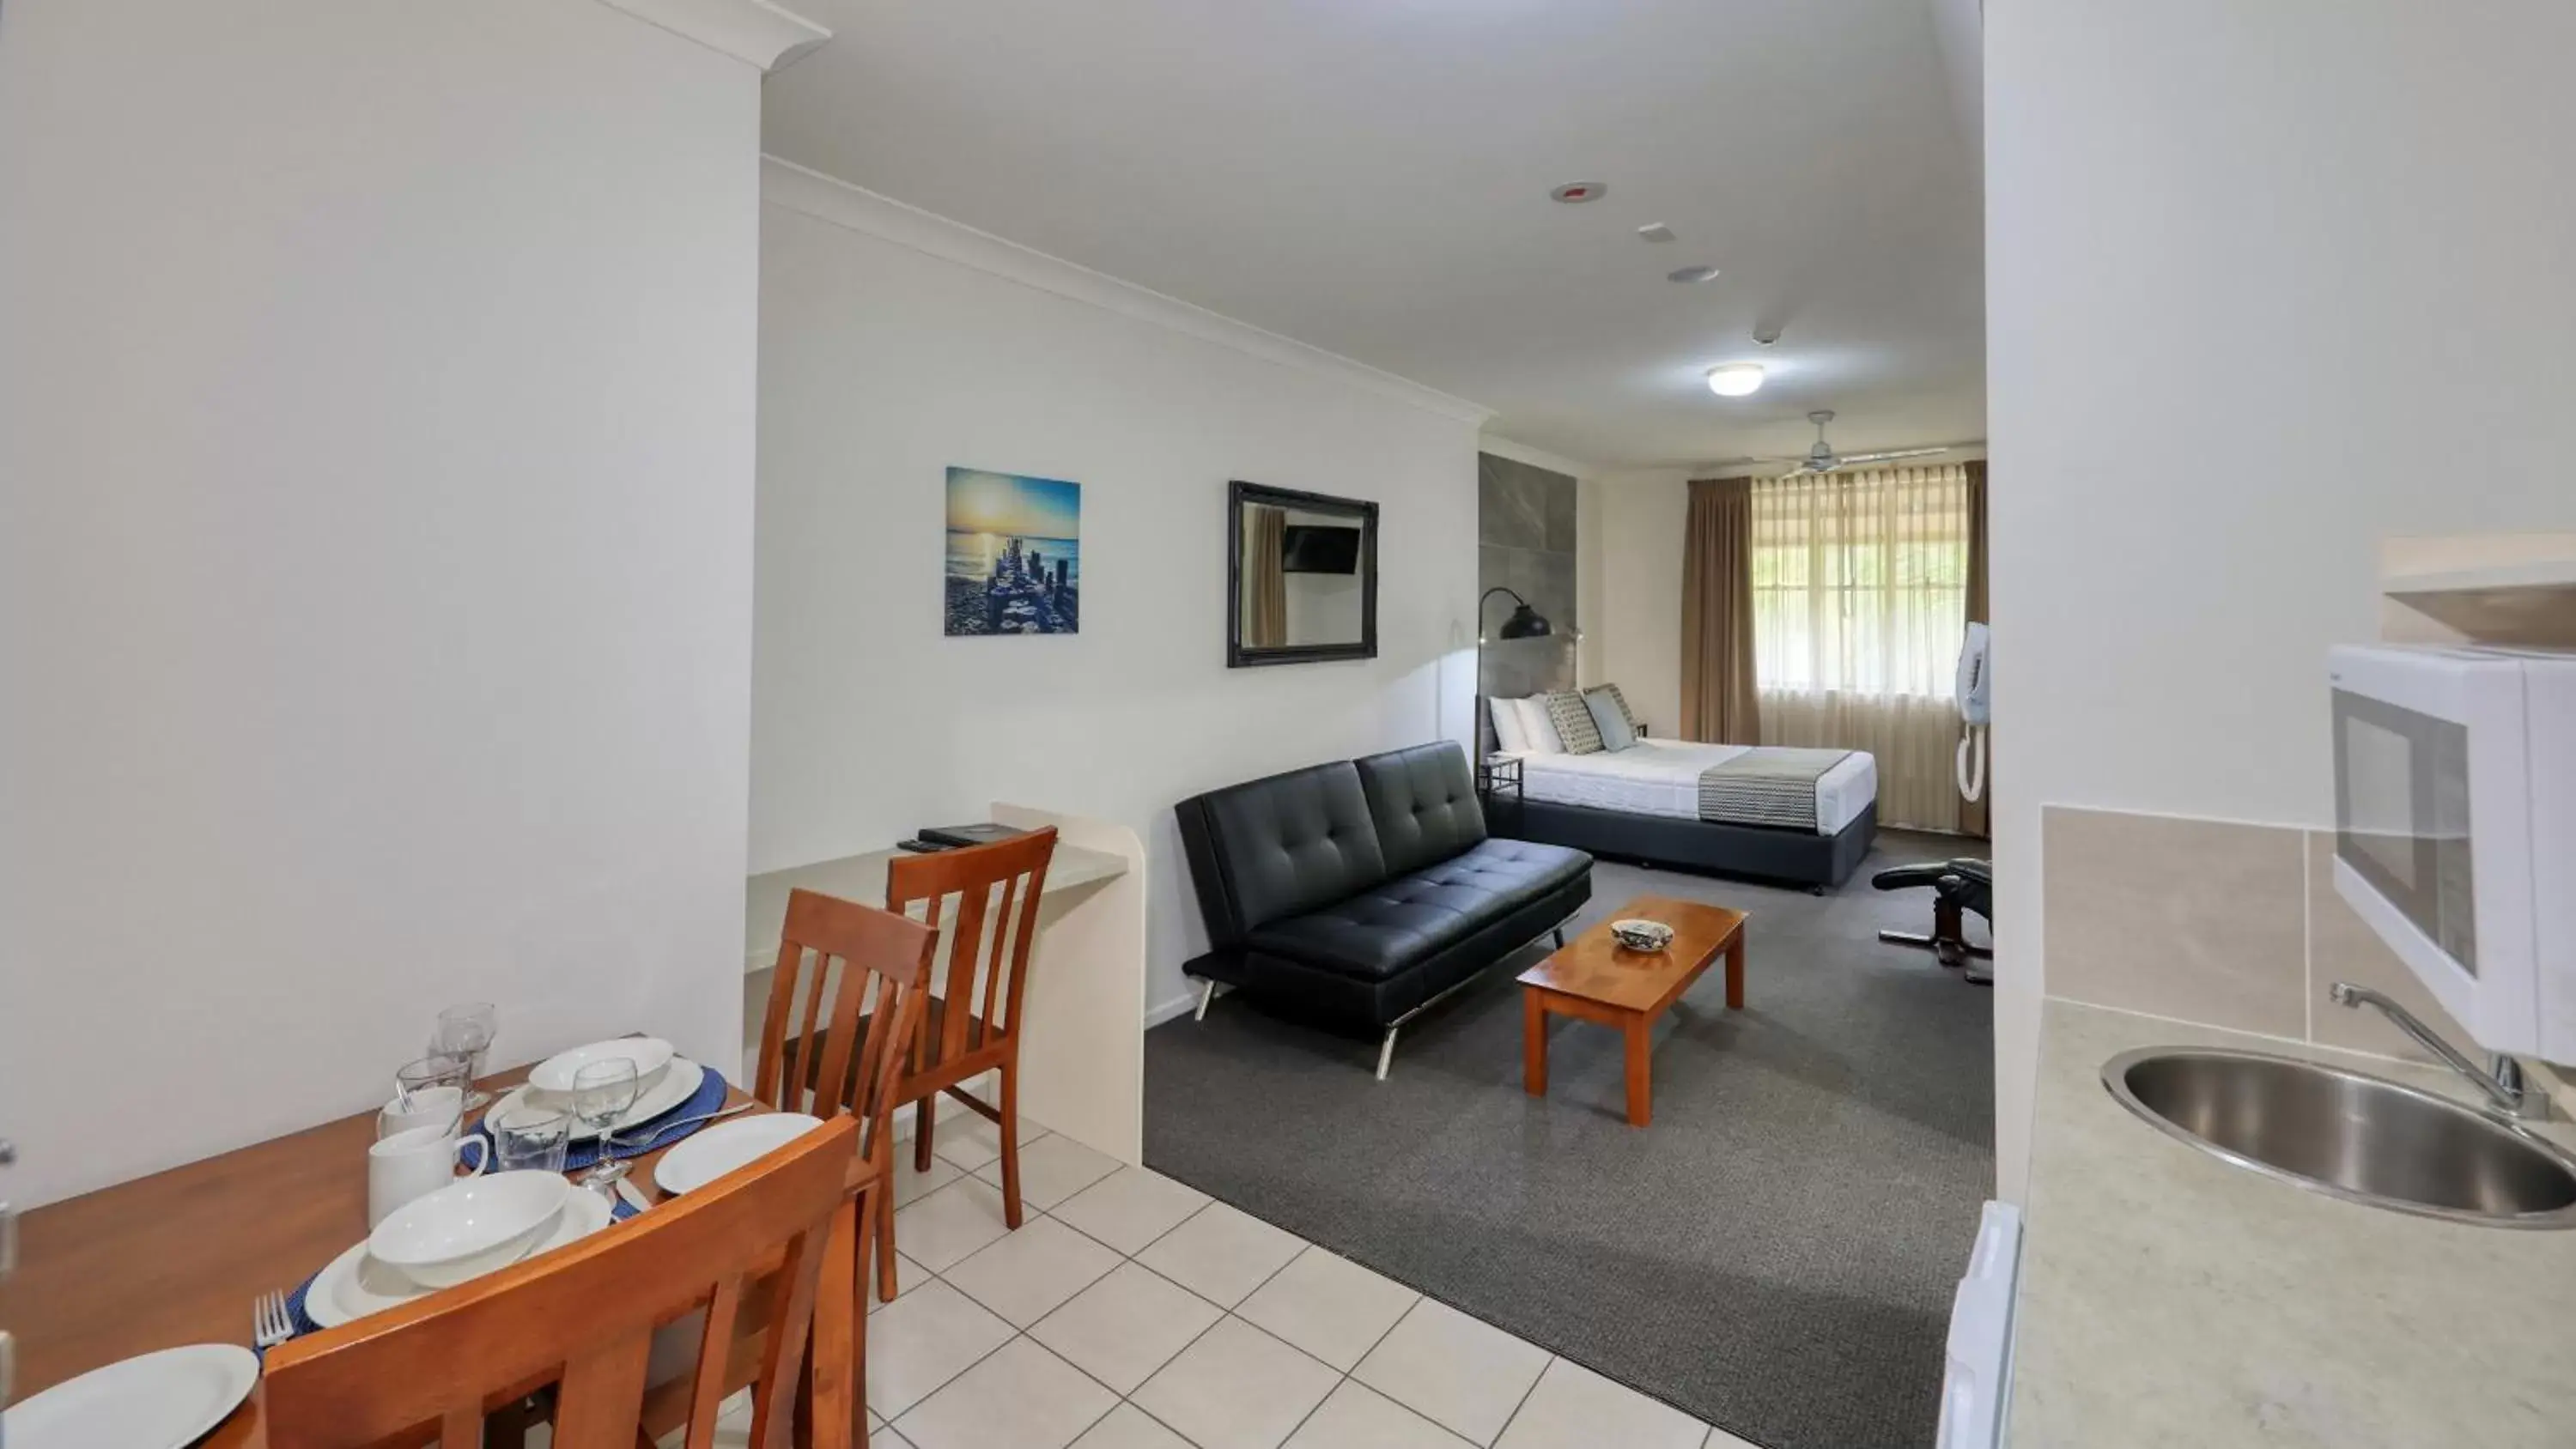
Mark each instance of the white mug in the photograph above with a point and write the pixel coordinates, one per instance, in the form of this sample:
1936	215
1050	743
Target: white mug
430	1107
415	1162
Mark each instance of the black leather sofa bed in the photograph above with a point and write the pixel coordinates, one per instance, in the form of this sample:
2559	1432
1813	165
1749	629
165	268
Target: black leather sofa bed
1354	894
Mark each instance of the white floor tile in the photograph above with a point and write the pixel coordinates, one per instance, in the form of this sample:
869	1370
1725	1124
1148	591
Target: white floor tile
1052	1169
909	1185
1028	1274
908	1275
1360	1418
1466	1374
1720	1439
1222	1253
888	1439
1236	1388
944	1228
1124	1327
1329	1306
1130	1208
924	1339
1575	1408
1129	1427
970	1141
1022	1397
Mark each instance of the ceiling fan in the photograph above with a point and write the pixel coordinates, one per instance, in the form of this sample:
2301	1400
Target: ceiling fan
1823	459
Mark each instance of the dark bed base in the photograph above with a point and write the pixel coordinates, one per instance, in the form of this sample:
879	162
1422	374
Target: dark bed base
1818	862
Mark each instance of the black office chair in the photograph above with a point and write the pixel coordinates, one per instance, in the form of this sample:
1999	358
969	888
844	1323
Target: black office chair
1958	886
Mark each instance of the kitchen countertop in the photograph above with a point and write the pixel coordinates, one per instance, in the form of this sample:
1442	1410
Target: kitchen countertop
2170	1299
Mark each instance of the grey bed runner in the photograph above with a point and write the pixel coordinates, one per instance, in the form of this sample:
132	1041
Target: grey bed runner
1766	785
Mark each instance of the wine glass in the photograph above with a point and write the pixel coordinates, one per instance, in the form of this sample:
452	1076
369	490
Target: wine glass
601	1094
529	1139
467	1031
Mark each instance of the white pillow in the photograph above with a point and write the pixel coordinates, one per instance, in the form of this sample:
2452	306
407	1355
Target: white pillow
1508	734
1540	729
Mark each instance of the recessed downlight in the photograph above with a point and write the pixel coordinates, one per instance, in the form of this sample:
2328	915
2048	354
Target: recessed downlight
1574	193
1655	232
1735	379
1691	274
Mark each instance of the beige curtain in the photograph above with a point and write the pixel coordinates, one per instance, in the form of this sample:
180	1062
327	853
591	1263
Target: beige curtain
1859	597
1718	700
1973	818
1265	577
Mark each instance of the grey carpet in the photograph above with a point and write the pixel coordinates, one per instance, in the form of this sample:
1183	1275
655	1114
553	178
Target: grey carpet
1775	1254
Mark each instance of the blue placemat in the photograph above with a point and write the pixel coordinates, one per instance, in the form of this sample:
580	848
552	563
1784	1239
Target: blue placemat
645	1137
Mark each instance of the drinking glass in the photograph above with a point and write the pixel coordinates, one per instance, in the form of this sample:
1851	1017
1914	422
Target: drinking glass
467	1031
431	1089
529	1139
601	1094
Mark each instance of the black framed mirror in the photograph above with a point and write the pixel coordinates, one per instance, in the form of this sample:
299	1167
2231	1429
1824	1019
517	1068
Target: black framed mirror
1300	577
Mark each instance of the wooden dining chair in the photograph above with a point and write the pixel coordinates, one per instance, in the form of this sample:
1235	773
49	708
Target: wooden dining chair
582	1317
972	1023
846	998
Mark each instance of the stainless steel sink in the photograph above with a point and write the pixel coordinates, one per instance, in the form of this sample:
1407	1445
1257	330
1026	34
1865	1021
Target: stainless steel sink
2347	1135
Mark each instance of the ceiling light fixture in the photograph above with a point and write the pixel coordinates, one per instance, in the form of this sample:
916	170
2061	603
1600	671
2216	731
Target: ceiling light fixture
1735	379
1574	193
1656	232
1691	274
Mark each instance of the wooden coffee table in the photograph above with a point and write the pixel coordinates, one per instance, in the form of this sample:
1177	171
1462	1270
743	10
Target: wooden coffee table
1597	979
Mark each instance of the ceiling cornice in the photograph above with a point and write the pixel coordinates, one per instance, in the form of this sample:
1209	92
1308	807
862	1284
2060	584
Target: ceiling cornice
829	199
749	30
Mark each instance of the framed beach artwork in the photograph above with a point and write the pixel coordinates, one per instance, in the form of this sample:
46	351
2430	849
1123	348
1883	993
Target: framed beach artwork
1014	554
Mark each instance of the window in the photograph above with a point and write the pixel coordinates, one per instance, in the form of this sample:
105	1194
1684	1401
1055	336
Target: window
1860	582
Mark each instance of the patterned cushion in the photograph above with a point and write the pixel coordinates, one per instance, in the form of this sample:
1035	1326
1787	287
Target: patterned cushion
1573	720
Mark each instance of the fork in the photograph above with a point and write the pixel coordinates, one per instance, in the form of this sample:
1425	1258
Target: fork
270	1323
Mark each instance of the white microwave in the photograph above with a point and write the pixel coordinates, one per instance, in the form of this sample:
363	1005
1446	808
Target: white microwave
2455	829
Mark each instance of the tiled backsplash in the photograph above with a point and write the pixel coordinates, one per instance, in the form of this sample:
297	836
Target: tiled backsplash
2219	922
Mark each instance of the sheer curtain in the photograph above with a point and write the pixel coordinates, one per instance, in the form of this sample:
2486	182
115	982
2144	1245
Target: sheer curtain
1860	584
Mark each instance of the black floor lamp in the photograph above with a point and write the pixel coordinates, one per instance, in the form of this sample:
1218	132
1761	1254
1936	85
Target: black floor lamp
1524	623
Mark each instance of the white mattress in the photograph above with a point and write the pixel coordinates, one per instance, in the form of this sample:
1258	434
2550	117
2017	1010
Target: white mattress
1661	777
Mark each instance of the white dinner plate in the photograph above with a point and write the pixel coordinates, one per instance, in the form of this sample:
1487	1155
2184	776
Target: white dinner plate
727	1145
678	1084
160	1400
355	1285
650	1054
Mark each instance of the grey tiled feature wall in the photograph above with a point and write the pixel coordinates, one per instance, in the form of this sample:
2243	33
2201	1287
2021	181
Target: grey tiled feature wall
1525	542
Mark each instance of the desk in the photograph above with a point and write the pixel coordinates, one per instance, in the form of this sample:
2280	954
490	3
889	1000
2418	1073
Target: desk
1082	1056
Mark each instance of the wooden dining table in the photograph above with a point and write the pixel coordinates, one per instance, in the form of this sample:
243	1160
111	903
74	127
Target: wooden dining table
177	1258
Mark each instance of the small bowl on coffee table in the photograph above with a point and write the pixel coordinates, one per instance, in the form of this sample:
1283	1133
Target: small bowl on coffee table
1639	934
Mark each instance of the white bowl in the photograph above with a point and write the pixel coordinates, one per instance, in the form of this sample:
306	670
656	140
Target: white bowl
469	1228
650	1054
1638	934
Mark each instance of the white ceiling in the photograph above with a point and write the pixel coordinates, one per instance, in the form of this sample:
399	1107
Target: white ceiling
1371	177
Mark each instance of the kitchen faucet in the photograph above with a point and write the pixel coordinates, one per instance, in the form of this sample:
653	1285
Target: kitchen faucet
2501	1081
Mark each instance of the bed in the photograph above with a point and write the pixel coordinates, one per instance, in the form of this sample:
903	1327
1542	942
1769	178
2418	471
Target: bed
1656	802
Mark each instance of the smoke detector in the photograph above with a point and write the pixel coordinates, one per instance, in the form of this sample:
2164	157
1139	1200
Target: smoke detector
1575	193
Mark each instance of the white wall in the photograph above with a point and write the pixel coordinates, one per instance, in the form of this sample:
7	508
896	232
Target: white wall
2266	283
882	363
375	552
1643	518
